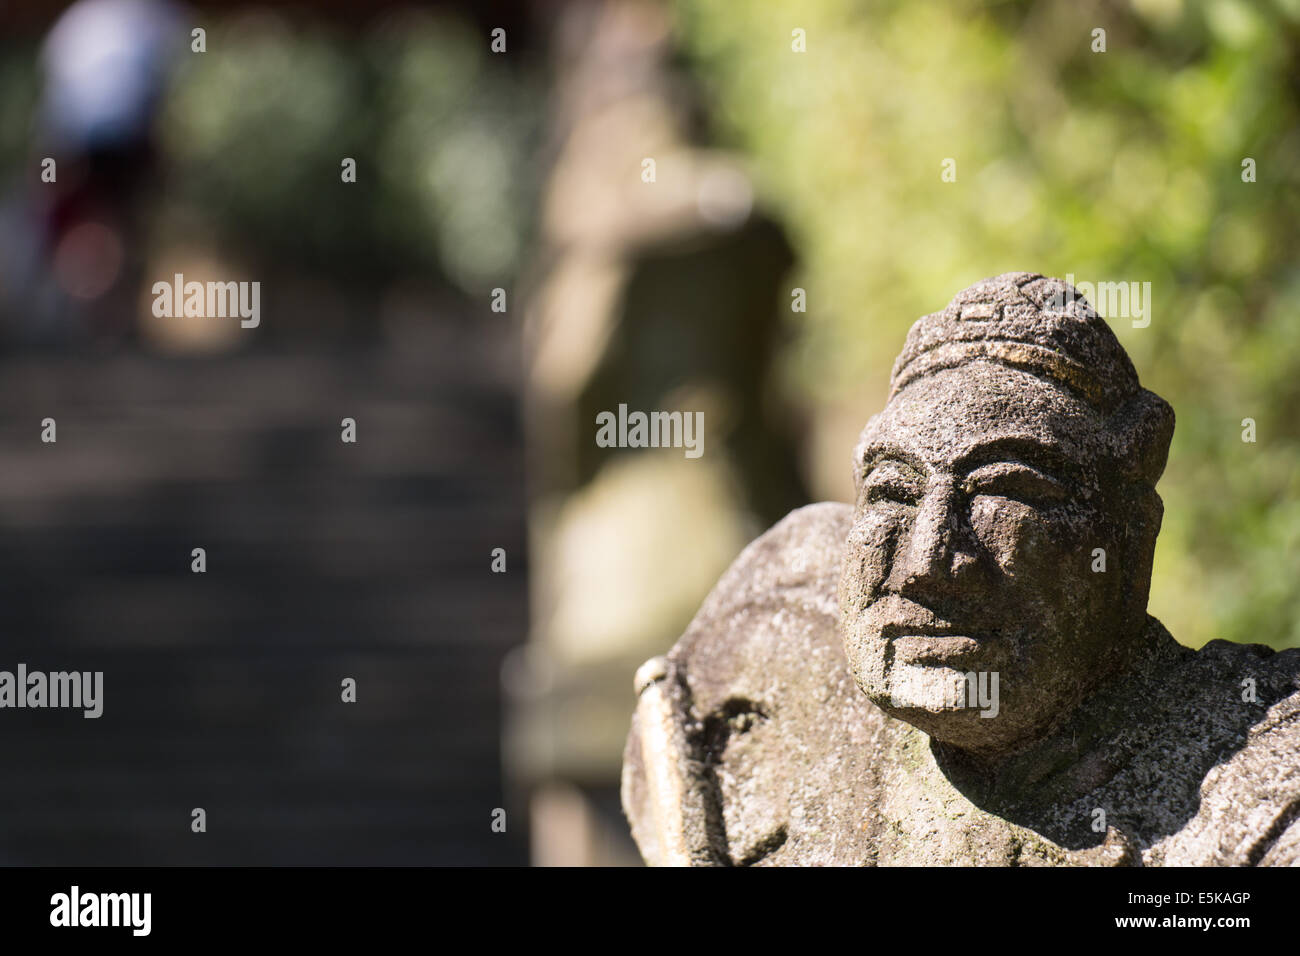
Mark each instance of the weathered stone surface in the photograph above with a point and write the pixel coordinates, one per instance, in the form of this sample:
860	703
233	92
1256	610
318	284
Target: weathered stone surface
815	712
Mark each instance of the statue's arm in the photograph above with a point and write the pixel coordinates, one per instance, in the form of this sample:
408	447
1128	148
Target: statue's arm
705	769
1285	851
665	790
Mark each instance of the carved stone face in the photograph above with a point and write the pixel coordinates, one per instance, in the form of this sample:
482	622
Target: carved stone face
983	492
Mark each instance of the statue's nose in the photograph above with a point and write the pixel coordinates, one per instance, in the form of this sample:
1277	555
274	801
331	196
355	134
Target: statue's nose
926	550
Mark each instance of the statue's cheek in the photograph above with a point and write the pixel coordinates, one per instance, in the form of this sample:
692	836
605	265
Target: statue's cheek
876	529
870	542
1021	538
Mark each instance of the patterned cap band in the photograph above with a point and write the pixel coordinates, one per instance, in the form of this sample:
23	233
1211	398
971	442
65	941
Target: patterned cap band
1025	321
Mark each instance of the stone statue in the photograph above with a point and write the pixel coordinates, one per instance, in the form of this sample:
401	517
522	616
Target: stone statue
959	668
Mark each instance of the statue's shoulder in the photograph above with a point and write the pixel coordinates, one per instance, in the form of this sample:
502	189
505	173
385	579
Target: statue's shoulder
751	742
1249	807
792	567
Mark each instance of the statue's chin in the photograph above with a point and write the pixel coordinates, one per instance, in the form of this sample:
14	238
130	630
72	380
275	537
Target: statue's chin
940	702
932	689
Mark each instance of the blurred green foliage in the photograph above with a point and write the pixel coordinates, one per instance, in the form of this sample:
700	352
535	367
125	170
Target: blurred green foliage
17	104
256	130
1117	166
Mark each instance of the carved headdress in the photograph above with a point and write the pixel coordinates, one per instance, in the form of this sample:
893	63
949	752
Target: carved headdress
1045	327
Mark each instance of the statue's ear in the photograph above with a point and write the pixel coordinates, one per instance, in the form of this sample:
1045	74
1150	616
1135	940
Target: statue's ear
1140	431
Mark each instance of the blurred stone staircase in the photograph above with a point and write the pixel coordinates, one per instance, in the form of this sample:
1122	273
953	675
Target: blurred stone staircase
325	560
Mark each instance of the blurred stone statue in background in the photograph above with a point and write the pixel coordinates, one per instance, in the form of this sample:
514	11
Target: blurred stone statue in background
664	295
959	668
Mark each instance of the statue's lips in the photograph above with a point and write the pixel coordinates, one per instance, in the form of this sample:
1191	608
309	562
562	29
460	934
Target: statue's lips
918	635
938	643
934	648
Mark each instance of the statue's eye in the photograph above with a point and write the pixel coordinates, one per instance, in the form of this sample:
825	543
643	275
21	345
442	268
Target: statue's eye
891	481
1018	482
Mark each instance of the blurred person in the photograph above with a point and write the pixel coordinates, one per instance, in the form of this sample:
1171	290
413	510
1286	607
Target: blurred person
68	247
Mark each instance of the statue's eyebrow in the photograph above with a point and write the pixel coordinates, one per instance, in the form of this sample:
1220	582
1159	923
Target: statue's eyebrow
1026	450
874	455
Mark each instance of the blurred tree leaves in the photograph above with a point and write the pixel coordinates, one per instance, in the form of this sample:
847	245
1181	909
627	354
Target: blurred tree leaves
1116	166
257	127
17	104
